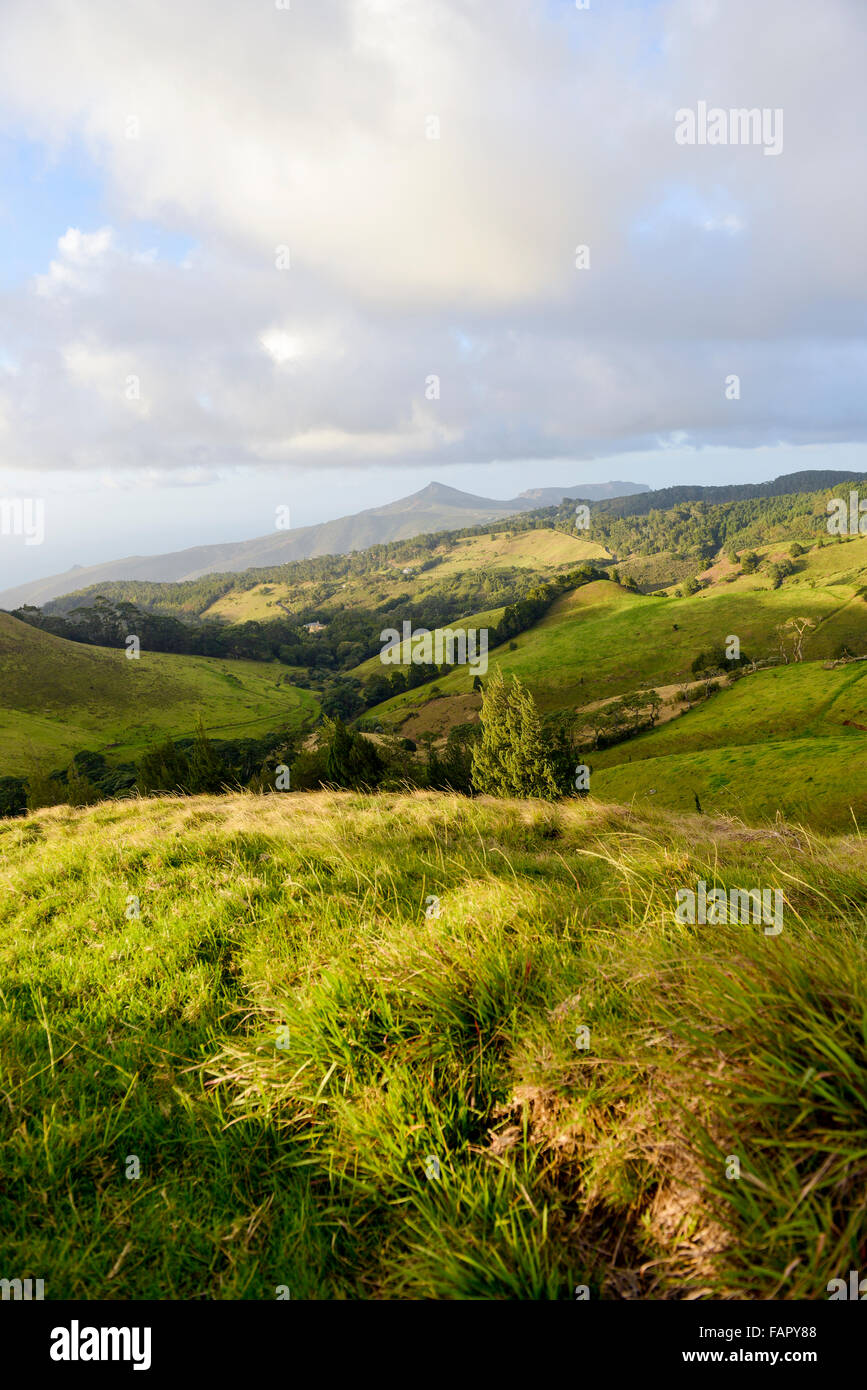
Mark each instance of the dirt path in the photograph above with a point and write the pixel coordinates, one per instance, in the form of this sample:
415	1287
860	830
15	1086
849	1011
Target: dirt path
671	706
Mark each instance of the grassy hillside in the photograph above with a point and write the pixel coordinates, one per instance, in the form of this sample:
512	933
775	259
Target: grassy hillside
329	1090
477	621
796	701
536	550
57	697
410	569
603	640
541	553
556	633
790	741
816	782
595	644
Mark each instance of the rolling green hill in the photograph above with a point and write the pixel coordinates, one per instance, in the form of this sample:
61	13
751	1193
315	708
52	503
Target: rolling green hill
58	697
539	553
411	572
802	700
479	621
806	755
603	640
594	644
808	781
791	740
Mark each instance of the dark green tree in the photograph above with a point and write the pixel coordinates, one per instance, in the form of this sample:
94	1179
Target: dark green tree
163	768
13	796
510	757
351	759
80	791
205	771
43	790
489	754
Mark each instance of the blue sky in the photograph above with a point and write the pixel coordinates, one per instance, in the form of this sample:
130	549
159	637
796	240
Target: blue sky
36	193
43	192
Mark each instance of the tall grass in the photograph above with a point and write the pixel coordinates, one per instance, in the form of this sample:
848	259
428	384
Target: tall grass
332	1091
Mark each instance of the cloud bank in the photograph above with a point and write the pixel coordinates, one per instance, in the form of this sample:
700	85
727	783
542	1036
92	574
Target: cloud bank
386	201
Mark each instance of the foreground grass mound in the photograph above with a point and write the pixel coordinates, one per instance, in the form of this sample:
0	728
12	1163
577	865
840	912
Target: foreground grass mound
426	1047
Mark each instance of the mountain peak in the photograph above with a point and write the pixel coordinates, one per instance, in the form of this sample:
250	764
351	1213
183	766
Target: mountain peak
435	489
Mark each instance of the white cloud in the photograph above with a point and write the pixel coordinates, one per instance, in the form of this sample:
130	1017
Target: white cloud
82	248
257	128
282	347
81	256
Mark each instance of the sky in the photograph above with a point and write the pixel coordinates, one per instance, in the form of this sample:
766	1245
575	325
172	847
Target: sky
317	254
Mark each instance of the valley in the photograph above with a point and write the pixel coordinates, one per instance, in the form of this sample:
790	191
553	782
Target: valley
614	638
59	697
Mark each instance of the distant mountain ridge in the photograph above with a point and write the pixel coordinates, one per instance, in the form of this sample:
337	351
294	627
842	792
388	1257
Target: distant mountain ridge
436	507
582	492
814	480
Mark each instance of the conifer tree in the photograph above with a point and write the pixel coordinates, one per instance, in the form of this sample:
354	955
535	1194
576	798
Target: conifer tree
529	772
43	790
337	763
510	757
488	764
352	759
205	772
163	768
80	791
